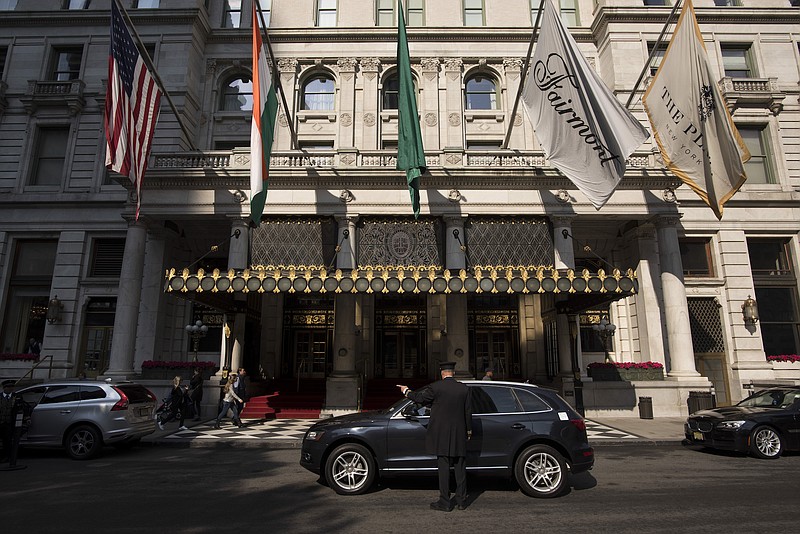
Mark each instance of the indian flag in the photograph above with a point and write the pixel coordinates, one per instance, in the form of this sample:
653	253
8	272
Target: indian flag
265	110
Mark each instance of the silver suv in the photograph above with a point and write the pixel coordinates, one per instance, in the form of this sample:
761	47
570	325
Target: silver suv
83	416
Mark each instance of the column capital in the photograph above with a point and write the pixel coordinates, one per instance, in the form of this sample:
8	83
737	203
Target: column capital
668	221
562	220
455	220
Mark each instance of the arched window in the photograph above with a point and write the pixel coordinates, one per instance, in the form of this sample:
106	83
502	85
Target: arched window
237	94
481	92
318	93
391	86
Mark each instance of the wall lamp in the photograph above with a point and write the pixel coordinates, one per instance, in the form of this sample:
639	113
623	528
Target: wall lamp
54	308
750	311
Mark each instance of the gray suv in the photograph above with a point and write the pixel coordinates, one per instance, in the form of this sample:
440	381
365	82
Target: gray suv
83	416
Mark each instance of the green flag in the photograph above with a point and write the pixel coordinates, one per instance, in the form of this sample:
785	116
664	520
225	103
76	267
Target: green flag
410	154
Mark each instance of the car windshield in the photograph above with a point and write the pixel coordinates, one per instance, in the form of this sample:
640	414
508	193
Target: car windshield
775	398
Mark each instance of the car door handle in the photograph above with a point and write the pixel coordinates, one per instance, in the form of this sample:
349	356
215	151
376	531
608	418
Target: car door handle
65	412
518	426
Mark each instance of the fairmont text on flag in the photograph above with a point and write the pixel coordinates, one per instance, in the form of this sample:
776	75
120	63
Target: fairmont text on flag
584	130
410	154
262	128
132	106
691	123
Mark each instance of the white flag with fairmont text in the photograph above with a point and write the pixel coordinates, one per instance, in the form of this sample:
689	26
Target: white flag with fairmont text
691	123
582	127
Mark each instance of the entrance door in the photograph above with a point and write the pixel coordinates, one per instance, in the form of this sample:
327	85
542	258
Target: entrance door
491	351
98	349
311	349
712	366
400	351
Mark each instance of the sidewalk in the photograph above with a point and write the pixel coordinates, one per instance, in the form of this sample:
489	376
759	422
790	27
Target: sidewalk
288	433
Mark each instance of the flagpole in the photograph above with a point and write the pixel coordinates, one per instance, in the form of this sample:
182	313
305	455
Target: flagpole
522	75
149	64
653	52
276	75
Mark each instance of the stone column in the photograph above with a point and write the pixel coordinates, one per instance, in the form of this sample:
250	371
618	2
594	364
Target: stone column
346	256
648	310
288	72
342	385
237	260
347	97
149	323
563	258
429	100
676	308
367	139
513	68
128	297
454	98
455	254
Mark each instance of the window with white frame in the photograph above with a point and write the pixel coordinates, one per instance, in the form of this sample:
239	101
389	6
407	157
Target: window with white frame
390	91
737	61
50	155
415	12
266	12
728	3
658	57
759	168
8	5
237	94
384	15
76	4
232	14
326	13
569	12
66	63
480	92
318	93
473	13
148	4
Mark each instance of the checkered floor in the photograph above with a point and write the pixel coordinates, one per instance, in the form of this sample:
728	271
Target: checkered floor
289	429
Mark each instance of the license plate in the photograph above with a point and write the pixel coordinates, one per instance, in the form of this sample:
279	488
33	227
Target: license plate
698	436
143	412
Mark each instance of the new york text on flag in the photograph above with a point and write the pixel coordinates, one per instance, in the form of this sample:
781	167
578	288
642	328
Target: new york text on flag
691	123
132	106
262	128
582	127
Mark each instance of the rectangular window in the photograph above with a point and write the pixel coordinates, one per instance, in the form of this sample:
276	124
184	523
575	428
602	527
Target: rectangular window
535	10
51	154
76	4
696	257
266	11
326	13
385	14
657	57
736	61
728	3
148	4
484	145
232	14
569	12
656	2
759	168
8	5
67	63
769	257
473	12
3	54
107	257
415	12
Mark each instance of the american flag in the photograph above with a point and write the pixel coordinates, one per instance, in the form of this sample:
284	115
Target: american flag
132	105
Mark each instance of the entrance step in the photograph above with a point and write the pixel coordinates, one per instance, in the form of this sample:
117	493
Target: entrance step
286	401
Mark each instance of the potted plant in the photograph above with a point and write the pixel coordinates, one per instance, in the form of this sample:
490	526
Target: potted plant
626	371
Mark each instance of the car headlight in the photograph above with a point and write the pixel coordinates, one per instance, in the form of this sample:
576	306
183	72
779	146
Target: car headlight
315	435
730	425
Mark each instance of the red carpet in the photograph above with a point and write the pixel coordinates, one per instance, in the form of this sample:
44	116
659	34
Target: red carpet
285	401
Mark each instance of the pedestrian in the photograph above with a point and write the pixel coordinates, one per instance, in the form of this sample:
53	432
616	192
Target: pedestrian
240	386
6	419
229	400
177	405
196	391
489	374
33	347
449	429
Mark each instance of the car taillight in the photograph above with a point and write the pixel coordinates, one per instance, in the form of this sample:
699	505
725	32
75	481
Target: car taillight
580	424
150	394
122	403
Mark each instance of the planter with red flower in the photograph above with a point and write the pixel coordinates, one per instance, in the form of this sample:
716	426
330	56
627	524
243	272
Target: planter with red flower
786	366
166	370
630	371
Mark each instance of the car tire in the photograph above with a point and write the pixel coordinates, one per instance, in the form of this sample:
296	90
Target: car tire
766	443
541	472
350	469
83	443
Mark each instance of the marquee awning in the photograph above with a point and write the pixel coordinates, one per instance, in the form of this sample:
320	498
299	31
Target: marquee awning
399	279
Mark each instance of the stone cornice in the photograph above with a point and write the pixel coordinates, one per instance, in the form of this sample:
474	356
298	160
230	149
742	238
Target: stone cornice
90	17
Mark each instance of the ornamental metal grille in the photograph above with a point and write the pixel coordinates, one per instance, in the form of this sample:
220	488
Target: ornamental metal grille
509	241
706	325
293	241
399	242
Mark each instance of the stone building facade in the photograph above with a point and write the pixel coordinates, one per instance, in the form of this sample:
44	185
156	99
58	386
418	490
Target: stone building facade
509	266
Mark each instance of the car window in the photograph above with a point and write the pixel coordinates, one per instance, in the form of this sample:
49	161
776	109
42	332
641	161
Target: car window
61	394
135	392
32	396
493	399
776	398
530	402
92	392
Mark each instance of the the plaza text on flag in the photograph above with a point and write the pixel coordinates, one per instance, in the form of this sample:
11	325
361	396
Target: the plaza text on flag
691	123
410	153
584	130
262	127
132	106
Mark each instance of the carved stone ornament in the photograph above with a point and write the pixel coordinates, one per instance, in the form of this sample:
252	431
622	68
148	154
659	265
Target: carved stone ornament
346	196
241	160
669	196
287	64
453	63
429	64
346	119
517	120
346	64
347	159
370	64
454	195
512	64
211	66
239	196
454	159
282	120
369	119
562	195
454	119
430	119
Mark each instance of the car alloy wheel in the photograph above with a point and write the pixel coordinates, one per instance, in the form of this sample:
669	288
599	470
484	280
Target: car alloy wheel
766	443
83	443
540	471
350	469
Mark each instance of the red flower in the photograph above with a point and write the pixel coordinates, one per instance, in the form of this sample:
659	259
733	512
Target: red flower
626	365
157	364
784	358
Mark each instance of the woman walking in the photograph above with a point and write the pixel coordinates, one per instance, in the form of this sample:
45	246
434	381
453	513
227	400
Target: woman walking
229	402
177	405
196	392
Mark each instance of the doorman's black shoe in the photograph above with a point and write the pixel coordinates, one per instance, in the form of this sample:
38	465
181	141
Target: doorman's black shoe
440	506
462	506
